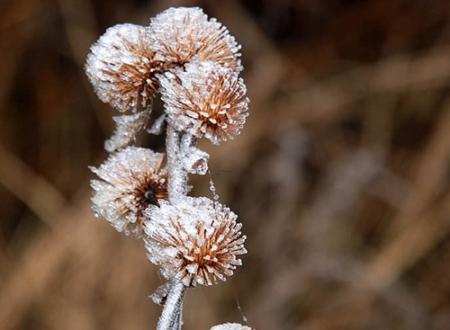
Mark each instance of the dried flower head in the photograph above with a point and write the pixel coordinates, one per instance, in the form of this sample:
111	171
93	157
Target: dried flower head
181	35
230	326
121	67
131	180
205	99
196	240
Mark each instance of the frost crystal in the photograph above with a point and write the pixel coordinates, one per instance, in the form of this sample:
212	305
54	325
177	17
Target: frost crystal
195	161
205	99
131	180
181	35
122	68
196	240
230	326
127	127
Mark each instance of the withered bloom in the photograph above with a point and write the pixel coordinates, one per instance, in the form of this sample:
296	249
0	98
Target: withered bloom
121	68
205	99
197	240
181	35
131	181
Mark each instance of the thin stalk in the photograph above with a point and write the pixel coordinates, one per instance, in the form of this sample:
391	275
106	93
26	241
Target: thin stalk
170	316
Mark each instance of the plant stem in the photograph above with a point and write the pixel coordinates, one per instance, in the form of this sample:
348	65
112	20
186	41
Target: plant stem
177	184
171	316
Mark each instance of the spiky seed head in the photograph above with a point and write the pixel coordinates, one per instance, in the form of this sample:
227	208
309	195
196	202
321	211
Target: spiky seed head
121	67
182	35
130	181
205	99
196	241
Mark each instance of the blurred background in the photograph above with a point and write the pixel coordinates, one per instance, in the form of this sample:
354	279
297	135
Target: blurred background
341	175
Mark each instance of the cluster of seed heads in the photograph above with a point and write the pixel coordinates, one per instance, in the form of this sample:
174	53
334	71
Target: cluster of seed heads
193	64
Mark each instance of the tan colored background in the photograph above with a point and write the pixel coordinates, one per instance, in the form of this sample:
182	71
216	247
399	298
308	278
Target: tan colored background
341	176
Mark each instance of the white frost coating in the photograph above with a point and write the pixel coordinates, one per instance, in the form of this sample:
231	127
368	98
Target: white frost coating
121	67
181	35
177	174
196	241
127	127
160	295
158	125
131	180
195	161
230	326
205	99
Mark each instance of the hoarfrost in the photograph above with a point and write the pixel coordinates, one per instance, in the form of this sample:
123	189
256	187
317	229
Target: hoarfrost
196	241
205	99
131	180
182	35
127	127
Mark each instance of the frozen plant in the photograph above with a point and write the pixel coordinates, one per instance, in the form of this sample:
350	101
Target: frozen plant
194	63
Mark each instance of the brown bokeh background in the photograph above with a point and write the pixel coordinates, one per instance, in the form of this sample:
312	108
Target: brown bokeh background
341	175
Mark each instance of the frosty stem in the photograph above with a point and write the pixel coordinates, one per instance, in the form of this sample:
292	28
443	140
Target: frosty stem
170	318
177	186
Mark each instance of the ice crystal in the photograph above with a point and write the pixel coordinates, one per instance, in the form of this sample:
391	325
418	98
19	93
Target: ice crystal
195	161
181	35
121	67
131	180
196	241
127	127
205	99
230	326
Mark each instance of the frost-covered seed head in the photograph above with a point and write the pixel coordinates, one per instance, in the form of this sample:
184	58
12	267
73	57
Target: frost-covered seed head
121	67
196	240
131	180
205	99
230	326
181	35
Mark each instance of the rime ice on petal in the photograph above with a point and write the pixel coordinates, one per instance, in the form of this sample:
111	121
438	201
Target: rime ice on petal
122	68
230	326
131	180
181	35
197	240
127	127
205	99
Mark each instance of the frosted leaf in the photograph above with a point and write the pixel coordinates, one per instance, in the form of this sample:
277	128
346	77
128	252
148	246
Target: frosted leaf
195	161
181	35
127	127
158	125
230	326
160	295
130	181
196	241
205	99
122	68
